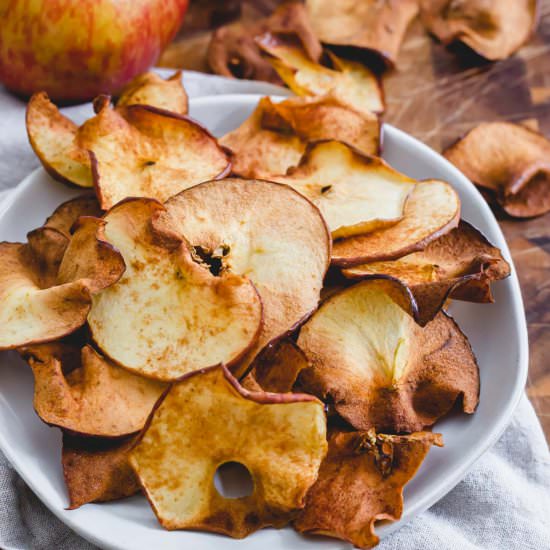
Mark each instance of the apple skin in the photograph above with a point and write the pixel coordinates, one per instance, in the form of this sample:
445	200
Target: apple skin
77	49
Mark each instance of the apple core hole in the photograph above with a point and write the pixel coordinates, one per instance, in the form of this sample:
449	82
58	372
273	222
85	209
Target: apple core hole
233	480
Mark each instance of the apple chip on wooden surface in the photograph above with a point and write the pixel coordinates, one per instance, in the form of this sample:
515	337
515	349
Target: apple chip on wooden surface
360	482
432	209
169	315
493	29
461	264
515	170
379	368
262	230
355	193
206	420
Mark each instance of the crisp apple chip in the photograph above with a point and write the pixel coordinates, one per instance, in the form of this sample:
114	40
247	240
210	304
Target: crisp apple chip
43	297
206	420
360	482
95	399
432	209
168	315
151	89
67	213
355	193
379	368
97	470
516	170
349	81
143	151
494	30
265	231
460	264
363	24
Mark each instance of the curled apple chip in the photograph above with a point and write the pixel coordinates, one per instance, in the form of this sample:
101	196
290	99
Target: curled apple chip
97	470
206	420
360	482
67	213
432	209
516	171
143	151
378	367
43	297
494	30
461	264
169	315
97	398
151	89
262	230
363	24
349	81
355	193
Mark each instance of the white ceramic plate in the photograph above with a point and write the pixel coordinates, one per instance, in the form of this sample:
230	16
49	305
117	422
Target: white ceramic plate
497	332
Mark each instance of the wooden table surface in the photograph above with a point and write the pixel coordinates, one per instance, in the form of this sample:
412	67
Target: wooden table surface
436	96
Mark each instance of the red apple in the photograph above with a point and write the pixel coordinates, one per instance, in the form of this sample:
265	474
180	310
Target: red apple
77	49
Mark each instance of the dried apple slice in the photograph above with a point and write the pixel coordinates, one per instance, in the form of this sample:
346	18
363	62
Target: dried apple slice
378	367
461	264
360	482
151	89
265	231
206	420
67	213
355	193
163	153
515	170
363	24
97	470
494	30
95	399
432	209
350	82
168	315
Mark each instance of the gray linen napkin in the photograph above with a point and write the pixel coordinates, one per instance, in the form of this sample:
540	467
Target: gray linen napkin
502	504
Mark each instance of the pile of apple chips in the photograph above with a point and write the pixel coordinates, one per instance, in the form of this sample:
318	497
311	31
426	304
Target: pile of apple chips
275	299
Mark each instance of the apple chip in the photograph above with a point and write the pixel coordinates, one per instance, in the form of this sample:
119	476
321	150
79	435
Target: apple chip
363	24
206	420
163	153
169	315
515	170
95	399
151	89
265	231
360	482
97	470
460	264
349	81
355	193
378	367
432	209
43	297
67	213
494	30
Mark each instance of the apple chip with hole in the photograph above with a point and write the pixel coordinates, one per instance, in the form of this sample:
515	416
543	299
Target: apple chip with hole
494	30
360	482
515	171
461	265
141	151
206	420
378	367
349	81
44	297
262	230
432	210
169	315
97	398
363	24
97	470
355	193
